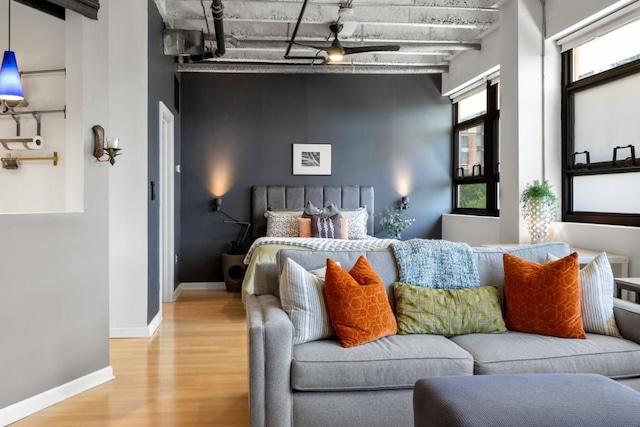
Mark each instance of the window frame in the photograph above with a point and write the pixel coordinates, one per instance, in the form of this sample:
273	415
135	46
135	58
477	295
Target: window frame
491	174
569	89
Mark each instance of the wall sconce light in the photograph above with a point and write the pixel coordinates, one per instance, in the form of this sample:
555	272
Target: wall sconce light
404	203
10	83
236	246
112	148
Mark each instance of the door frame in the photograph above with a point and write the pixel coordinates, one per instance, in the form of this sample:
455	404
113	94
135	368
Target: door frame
167	199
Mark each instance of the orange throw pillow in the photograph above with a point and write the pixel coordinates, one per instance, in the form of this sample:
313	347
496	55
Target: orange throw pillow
543	299
358	304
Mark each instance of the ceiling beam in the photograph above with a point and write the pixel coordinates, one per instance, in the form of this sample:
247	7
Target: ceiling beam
209	67
417	45
321	31
269	12
370	58
432	4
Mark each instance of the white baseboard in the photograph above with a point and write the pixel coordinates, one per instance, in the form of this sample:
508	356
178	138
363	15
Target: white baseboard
177	291
154	324
29	406
209	286
142	332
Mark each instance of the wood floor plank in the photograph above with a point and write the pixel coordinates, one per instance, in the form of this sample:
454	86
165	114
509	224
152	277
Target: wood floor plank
193	372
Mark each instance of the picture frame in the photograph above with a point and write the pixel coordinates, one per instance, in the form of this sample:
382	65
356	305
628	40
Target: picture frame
312	159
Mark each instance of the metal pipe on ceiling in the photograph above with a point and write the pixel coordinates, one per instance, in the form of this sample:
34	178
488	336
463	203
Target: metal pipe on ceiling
218	26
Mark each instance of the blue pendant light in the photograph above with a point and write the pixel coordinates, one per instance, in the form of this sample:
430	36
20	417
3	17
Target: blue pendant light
10	84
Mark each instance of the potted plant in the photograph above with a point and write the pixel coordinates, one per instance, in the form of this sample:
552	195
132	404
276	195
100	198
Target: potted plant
539	209
394	222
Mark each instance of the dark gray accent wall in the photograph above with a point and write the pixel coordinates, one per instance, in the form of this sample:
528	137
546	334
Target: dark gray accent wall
238	131
161	88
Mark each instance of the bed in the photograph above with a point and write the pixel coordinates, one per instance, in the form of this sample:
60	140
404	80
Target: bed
350	199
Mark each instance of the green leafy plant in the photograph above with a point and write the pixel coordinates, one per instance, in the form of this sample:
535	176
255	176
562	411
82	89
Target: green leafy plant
539	209
394	221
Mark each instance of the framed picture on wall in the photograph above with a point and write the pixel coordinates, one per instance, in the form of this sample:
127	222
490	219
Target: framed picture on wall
312	159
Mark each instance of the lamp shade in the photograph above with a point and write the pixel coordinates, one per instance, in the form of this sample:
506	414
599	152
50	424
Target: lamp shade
10	84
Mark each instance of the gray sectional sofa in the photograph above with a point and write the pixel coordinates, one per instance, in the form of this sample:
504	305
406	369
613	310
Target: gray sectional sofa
323	384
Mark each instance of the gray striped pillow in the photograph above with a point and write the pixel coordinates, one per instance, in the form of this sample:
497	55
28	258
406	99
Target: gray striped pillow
596	296
302	298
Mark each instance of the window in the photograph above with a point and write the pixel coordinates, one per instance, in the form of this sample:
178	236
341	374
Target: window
601	100
475	140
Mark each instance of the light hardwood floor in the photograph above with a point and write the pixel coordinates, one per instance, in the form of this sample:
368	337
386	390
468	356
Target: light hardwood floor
193	372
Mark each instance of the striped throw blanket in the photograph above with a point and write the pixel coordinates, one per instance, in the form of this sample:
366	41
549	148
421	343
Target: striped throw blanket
436	264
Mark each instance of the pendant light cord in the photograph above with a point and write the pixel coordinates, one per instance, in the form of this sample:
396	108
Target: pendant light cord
9	26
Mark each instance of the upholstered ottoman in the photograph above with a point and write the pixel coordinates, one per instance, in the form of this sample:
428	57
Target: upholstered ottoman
525	401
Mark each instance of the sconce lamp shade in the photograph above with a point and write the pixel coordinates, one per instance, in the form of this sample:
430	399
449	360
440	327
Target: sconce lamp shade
10	84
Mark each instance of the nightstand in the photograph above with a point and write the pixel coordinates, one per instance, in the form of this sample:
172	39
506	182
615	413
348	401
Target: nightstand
233	269
628	284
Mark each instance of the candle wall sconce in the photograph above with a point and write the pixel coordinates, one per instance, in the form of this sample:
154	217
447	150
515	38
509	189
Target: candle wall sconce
111	149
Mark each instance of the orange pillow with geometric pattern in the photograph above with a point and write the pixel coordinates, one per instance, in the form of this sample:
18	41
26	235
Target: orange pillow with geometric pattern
543	298
358	305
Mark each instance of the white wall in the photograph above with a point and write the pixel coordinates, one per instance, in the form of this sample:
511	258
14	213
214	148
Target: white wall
464	69
39	43
474	230
54	295
566	16
561	15
127	102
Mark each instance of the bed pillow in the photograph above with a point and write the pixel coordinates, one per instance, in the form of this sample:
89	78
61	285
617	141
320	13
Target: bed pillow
302	298
282	223
448	312
327	211
543	298
359	308
596	296
304	225
357	227
326	227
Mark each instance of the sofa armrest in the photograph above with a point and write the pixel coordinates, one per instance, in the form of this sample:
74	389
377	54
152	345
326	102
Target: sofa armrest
627	316
270	349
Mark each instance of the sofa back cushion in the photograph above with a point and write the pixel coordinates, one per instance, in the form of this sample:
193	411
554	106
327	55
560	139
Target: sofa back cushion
488	260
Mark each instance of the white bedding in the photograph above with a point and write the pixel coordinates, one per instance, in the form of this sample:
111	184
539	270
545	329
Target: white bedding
264	249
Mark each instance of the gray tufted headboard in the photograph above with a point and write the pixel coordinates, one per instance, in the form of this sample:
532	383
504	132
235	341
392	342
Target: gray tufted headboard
294	197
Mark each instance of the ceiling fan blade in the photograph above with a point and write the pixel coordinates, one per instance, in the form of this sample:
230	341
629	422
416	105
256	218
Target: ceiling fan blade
364	49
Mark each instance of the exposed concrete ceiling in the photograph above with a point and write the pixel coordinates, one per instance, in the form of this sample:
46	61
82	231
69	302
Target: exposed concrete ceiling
429	33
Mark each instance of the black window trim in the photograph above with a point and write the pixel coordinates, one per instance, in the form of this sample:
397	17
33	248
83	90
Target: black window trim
491	175
569	89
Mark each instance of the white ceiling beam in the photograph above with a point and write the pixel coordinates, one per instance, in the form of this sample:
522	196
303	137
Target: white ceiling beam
400	58
405	48
432	4
210	67
254	12
366	32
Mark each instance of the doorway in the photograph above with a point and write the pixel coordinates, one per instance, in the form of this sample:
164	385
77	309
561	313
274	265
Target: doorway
166	194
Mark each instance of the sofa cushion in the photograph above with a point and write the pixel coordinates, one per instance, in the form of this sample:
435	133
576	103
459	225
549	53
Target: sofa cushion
489	259
388	363
522	353
543	298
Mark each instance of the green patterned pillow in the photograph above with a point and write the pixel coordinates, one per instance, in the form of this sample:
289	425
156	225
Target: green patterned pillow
448	312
